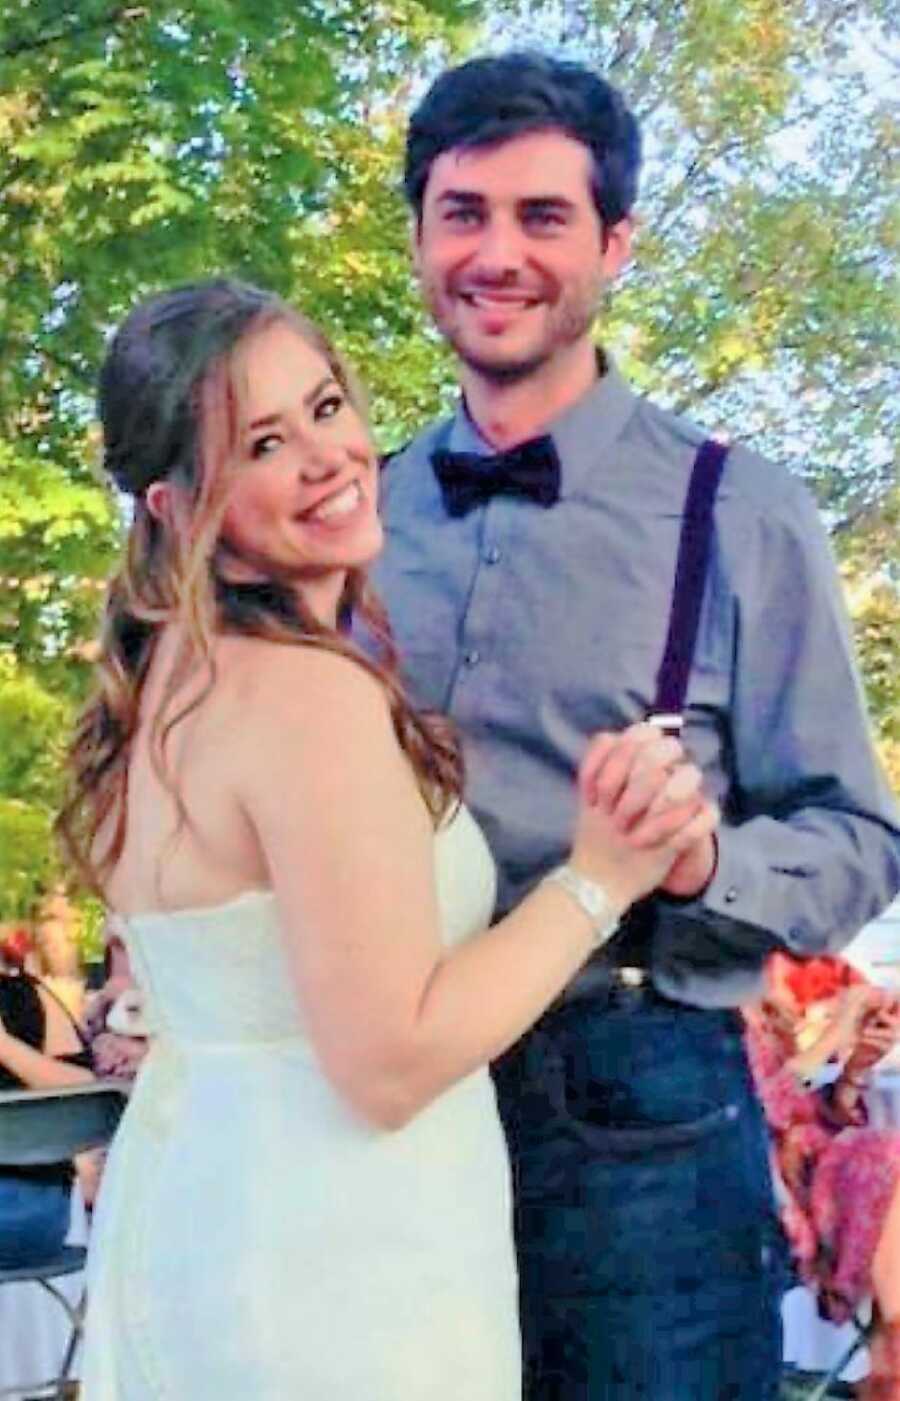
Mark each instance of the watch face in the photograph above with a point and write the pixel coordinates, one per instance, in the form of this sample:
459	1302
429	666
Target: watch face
593	896
596	907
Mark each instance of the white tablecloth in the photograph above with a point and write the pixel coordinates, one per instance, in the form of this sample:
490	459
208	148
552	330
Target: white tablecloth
34	1329
814	1345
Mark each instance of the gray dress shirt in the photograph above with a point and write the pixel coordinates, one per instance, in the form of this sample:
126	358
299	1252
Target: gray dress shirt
535	627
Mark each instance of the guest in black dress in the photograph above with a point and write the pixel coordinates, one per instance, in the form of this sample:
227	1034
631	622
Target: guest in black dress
41	1047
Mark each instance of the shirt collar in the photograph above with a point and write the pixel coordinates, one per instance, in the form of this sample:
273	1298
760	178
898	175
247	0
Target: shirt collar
583	434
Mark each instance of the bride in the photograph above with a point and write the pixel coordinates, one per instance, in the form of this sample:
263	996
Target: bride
309	1195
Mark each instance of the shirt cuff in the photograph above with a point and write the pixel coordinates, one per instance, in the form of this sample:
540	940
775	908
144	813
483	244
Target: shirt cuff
751	887
730	905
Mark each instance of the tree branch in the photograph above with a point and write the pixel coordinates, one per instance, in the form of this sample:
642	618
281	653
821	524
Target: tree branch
626	46
886	57
43	41
703	391
706	159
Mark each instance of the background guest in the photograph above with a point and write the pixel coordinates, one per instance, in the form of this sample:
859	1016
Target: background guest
41	1047
56	946
841	1178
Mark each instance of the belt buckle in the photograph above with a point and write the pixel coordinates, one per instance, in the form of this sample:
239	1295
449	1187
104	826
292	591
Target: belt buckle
628	976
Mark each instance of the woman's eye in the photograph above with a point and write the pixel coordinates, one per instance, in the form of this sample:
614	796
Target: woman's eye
329	406
262	447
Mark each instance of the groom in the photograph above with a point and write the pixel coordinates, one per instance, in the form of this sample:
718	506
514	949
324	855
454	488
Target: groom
532	543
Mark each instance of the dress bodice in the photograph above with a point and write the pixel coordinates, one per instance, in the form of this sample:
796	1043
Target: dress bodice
315	1253
220	974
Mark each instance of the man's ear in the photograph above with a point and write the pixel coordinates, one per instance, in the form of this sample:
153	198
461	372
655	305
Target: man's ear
617	246
158	497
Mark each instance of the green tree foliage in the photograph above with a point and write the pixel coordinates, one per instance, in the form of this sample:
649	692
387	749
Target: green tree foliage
762	297
870	556
27	859
140	146
33	726
58	534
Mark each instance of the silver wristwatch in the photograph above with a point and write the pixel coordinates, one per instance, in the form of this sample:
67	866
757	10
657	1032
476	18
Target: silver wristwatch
592	898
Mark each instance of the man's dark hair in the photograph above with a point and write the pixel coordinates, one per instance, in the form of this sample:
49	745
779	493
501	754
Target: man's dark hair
489	100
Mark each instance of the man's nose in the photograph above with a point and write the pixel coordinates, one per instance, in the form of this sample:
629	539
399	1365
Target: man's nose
500	248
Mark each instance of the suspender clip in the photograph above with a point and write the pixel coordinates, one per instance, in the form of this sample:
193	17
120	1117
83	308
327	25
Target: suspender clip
671	724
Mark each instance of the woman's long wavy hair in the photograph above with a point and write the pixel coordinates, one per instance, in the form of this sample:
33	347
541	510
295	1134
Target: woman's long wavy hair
169	403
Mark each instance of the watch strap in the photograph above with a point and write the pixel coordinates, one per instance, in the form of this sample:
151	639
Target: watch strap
592	898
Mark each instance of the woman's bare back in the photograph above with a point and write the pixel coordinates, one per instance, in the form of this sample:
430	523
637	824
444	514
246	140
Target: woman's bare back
207	852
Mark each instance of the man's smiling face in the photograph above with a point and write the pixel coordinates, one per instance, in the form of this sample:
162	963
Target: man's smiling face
510	251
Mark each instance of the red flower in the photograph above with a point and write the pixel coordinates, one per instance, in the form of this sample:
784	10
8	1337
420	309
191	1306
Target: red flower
815	979
16	944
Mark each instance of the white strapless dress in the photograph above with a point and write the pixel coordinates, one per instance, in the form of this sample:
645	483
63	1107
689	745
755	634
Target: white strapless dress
255	1240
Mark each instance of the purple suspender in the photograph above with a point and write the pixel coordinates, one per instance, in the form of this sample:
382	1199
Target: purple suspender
690	580
632	945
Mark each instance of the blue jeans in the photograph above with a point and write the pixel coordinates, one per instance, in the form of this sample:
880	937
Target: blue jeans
650	1254
34	1221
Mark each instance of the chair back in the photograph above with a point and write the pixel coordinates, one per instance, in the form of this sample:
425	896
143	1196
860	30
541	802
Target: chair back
51	1126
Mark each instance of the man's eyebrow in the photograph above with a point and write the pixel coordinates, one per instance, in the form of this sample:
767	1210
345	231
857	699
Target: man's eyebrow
546	202
472	197
308	400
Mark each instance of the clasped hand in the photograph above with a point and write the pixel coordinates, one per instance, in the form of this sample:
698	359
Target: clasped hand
643	822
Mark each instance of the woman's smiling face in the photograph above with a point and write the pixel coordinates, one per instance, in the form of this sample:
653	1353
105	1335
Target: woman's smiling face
302	506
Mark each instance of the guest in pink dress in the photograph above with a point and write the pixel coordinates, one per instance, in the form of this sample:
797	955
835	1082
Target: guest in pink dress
841	1177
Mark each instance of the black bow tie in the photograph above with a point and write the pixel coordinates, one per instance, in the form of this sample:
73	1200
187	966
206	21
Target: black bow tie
467	480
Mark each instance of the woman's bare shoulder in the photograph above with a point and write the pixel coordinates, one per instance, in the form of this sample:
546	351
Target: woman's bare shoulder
304	688
313	722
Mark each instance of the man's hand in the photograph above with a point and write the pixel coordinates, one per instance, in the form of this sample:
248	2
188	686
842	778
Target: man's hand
692	872
640	809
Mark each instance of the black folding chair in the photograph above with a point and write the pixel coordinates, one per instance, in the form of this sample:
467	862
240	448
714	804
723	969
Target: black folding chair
51	1126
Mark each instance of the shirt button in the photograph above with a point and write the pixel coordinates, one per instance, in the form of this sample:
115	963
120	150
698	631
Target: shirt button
731	895
472	657
492	556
